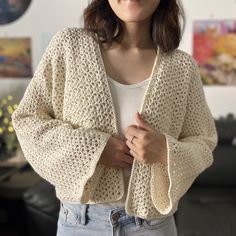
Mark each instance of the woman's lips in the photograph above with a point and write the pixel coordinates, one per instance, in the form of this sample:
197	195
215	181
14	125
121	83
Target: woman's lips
131	1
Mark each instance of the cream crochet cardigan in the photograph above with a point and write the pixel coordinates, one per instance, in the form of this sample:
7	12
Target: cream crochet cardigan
66	117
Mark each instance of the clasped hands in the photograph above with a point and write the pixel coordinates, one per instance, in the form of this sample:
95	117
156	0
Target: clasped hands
142	143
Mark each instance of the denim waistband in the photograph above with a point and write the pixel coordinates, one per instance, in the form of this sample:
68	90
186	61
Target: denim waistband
113	216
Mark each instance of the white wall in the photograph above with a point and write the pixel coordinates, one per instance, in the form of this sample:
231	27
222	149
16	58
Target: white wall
42	18
47	17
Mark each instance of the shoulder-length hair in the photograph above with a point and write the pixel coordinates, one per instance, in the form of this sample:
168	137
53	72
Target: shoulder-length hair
167	23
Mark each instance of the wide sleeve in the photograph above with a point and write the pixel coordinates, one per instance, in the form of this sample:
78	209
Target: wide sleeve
65	155
188	156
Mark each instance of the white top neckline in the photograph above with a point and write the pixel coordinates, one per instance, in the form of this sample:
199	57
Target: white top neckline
139	84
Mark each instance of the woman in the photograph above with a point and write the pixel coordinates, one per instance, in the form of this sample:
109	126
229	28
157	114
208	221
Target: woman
117	171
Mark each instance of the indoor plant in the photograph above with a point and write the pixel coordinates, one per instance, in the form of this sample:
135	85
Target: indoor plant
8	140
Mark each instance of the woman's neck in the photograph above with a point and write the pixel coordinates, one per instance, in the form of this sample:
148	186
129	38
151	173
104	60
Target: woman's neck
137	35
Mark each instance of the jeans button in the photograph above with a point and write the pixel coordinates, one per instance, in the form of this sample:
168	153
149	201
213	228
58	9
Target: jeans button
116	217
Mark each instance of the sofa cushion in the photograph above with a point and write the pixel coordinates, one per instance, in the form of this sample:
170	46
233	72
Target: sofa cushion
207	211
222	172
42	197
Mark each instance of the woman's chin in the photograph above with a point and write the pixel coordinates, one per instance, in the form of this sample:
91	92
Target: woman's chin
133	18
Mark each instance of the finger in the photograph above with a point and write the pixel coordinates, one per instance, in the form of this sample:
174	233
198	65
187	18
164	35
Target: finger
134	131
128	159
124	165
127	167
126	149
130	138
132	146
134	154
141	123
135	126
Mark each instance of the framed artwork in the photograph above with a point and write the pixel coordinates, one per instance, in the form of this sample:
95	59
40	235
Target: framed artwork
11	10
214	49
15	58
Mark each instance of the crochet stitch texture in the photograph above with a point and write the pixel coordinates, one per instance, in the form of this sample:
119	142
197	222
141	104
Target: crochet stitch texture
66	117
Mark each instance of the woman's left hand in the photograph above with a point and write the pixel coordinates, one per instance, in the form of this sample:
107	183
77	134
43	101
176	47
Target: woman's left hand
148	146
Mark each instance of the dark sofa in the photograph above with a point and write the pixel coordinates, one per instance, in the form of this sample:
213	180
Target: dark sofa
42	208
209	206
207	209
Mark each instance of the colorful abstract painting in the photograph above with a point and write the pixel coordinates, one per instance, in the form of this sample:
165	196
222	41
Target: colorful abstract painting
15	58
214	48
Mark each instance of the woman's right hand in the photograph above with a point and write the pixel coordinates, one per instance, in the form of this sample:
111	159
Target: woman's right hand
116	154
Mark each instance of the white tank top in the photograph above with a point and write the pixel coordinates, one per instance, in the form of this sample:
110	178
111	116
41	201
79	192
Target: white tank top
127	101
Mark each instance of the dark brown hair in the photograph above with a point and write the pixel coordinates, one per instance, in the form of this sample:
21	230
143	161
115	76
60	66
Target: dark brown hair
167	23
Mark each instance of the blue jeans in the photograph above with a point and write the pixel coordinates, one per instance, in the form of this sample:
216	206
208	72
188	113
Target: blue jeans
89	220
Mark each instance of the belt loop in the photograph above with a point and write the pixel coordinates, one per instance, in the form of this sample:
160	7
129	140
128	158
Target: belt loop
110	218
138	221
84	214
